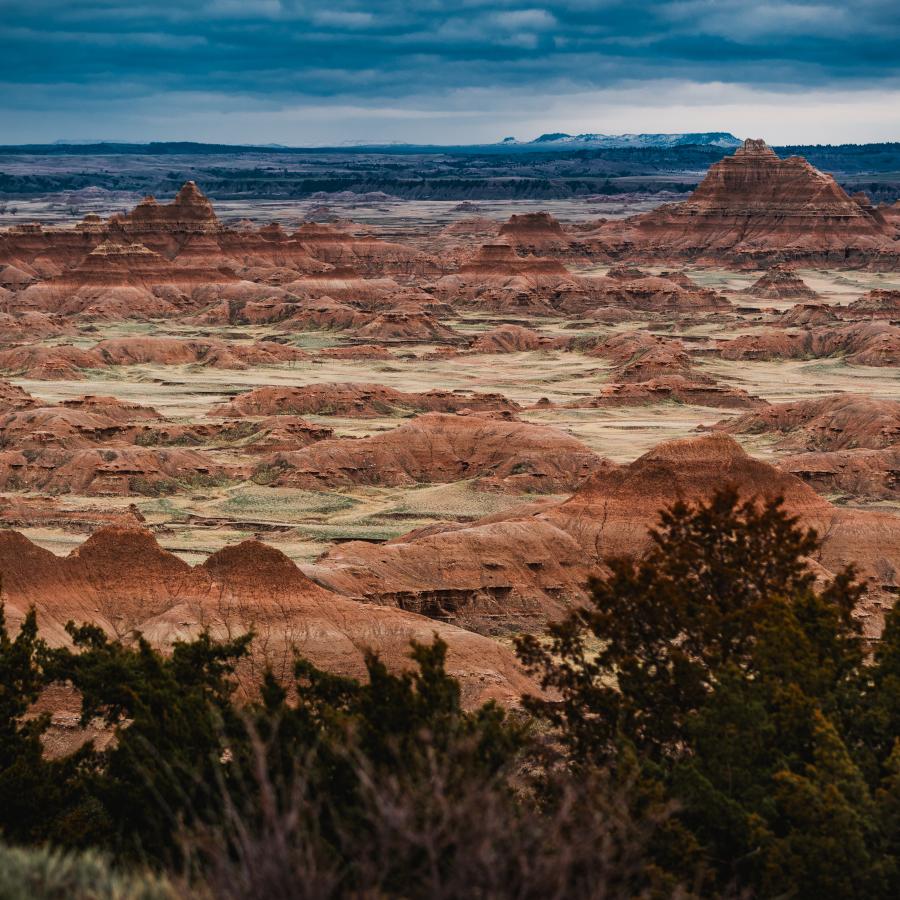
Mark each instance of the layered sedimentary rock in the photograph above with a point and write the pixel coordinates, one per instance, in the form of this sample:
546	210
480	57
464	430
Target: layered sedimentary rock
122	580
355	400
640	356
435	447
118	281
204	351
864	344
29	325
838	422
876	304
535	233
362	252
514	339
808	314
860	474
752	207
69	363
497	278
13	397
781	283
120	470
406	325
522	567
632	289
692	390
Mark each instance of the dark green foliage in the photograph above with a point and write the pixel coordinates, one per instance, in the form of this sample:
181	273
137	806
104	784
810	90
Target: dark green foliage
712	720
742	692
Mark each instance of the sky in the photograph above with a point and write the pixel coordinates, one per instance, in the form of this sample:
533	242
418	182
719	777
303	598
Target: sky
431	71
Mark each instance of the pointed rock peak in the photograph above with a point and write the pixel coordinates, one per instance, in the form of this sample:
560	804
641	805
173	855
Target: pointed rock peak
715	446
190	193
256	569
124	545
756	147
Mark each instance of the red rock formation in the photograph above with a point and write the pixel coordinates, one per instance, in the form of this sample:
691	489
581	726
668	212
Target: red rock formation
120	470
497	278
670	389
495	576
838	422
117	281
868	344
348	286
20	327
167	227
435	447
357	351
121	580
327	314
808	314
406	325
12	397
355	400
514	339
506	567
341	247
536	233
667	293
781	283
753	206
876	304
861	474
120	411
48	363
37	427
218	354
640	356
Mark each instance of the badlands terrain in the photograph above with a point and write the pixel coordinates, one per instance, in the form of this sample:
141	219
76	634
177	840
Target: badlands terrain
346	433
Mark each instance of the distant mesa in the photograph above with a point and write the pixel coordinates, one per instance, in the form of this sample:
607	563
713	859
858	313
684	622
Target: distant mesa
613	141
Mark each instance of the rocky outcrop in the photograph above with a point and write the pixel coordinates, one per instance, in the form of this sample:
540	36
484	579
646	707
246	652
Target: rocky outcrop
781	283
497	278
510	456
119	470
342	248
808	315
356	351
121	580
47	363
502	571
876	304
535	233
514	339
641	356
860	474
632	289
12	397
356	400
67	363
838	422
670	389
205	352
753	207
864	344
406	325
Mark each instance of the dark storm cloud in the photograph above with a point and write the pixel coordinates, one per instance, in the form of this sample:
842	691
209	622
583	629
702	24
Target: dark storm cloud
56	53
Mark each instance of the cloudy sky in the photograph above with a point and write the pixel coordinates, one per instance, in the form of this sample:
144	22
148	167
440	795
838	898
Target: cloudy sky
441	71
